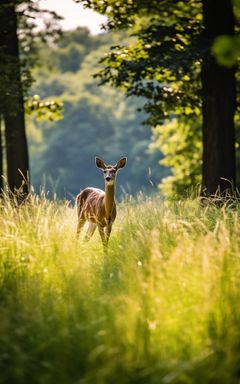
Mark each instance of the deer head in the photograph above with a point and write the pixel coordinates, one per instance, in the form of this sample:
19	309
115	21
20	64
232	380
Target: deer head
110	171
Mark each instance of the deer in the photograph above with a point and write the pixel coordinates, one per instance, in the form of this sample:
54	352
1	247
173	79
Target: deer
98	207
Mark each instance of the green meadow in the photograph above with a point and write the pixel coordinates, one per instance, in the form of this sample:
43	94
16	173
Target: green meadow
163	306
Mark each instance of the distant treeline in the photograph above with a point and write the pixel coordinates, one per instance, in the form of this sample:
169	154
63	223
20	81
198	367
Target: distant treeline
97	121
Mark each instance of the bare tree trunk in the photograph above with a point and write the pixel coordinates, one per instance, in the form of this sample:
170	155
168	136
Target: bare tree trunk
219	104
13	108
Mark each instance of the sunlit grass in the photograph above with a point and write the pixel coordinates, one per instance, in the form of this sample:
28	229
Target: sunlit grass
161	307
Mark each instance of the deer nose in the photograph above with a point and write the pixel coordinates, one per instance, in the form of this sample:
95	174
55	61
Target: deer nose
108	178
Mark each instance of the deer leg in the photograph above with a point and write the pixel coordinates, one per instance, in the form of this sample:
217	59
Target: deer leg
90	230
81	223
108	231
103	237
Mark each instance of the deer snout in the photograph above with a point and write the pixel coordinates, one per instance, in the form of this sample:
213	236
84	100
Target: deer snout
107	178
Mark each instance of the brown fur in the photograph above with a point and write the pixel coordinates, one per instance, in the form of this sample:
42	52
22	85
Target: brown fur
91	206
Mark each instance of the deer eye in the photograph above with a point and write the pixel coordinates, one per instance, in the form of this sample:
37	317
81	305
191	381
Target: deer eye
104	171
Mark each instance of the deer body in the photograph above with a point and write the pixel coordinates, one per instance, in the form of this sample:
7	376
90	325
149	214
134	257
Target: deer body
98	207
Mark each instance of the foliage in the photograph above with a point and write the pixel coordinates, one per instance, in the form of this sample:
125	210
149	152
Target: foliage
27	11
163	65
227	48
29	36
44	109
181	144
97	121
163	307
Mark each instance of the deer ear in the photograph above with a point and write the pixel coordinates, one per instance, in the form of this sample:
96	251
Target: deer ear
100	163
121	163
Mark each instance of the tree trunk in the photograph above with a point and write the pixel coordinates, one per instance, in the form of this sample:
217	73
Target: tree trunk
1	158
218	104
13	108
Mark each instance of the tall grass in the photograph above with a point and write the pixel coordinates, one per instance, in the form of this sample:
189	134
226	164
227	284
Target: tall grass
162	307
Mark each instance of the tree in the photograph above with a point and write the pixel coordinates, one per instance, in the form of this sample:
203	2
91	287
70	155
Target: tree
180	141
15	79
172	66
12	100
218	102
1	157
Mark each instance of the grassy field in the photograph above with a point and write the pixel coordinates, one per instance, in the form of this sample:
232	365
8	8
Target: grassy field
162	307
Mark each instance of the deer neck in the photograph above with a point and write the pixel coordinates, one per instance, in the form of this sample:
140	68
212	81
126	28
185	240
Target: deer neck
109	198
